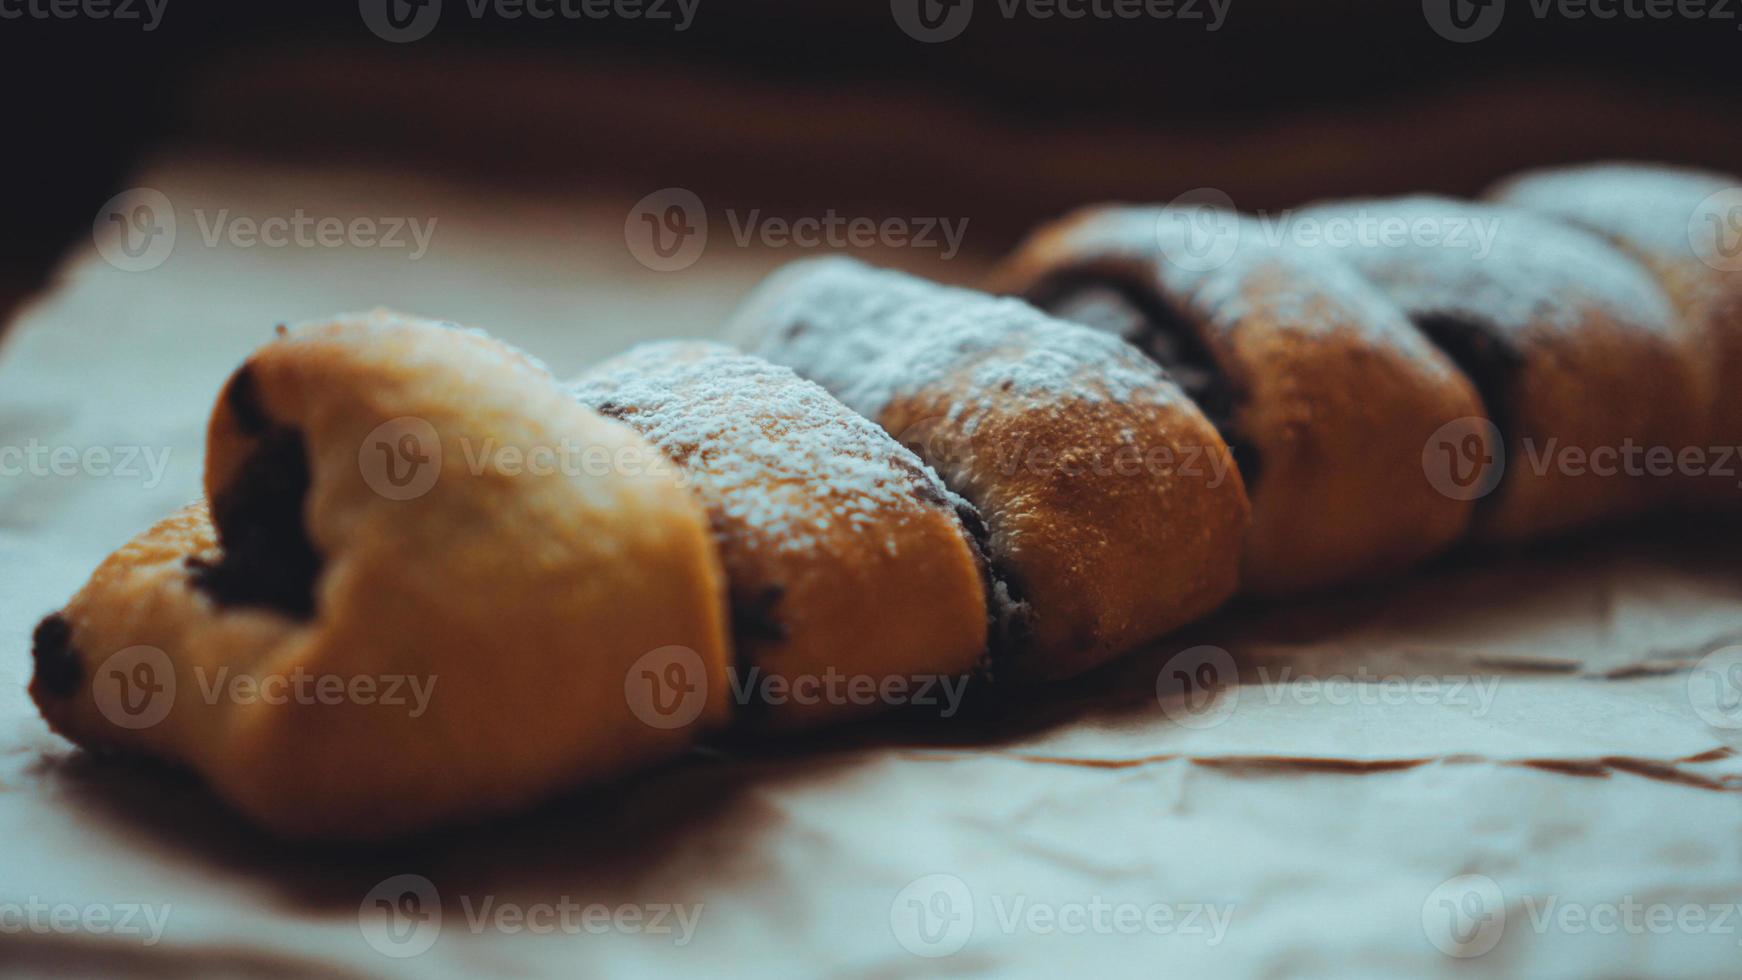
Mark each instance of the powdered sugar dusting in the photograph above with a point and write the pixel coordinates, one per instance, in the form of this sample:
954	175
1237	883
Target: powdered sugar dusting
873	336
1645	206
1307	290
1509	268
767	450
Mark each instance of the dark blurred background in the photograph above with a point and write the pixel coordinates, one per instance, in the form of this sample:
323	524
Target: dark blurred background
787	103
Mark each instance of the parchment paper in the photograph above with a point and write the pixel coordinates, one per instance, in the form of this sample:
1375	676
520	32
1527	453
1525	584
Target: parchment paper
1516	764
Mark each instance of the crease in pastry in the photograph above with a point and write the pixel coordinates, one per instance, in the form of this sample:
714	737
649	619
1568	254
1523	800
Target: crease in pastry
1576	347
1324	390
266	557
1654	213
1116	304
1111	506
845	555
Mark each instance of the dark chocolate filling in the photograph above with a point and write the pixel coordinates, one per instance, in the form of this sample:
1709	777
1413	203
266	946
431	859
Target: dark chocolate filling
1147	322
1009	618
58	671
266	558
1492	362
756	617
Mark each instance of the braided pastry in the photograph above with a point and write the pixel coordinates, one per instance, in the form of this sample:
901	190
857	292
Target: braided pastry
848	569
1111	505
257	646
1323	387
1686	226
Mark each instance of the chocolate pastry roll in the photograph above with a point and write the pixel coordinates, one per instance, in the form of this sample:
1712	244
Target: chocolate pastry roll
399	609
1112	509
1323	387
1582	364
853	582
1686	226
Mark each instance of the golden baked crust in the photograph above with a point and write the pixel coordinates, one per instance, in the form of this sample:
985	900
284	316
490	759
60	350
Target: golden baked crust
1112	509
845	560
1577	353
1333	392
1676	221
521	597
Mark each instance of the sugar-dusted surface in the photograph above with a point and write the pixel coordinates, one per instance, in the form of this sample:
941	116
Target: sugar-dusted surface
1231	268
1497	265
1647	206
774	453
874	335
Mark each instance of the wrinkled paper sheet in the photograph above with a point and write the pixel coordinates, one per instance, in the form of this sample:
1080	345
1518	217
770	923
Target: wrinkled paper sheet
1520	764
